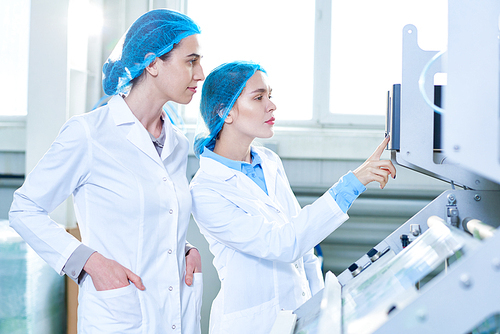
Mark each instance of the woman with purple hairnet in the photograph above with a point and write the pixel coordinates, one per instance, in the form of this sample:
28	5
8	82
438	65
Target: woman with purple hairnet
125	165
262	240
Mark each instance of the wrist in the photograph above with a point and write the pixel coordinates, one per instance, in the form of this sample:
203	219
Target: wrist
92	262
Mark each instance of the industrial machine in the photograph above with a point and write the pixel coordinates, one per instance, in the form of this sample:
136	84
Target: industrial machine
440	271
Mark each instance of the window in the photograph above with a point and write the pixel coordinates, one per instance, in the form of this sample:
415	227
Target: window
14	34
329	61
366	48
277	34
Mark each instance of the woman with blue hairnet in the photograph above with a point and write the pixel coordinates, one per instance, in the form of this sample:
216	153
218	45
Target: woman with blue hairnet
125	165
261	239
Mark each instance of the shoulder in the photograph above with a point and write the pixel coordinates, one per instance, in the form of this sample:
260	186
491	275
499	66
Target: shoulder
95	116
203	178
83	126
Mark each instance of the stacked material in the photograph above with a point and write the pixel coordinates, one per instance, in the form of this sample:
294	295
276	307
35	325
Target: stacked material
31	293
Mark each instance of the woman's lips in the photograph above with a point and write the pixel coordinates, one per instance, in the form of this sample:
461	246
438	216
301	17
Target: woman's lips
271	121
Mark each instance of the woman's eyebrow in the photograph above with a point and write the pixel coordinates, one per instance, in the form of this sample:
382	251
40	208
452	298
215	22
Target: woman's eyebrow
259	90
193	55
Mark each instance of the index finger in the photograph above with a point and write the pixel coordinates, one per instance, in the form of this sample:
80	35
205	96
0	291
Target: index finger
380	149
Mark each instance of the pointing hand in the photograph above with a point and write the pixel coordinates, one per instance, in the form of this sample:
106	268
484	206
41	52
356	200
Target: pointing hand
374	169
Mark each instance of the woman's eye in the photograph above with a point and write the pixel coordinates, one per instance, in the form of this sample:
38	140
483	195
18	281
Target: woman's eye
259	97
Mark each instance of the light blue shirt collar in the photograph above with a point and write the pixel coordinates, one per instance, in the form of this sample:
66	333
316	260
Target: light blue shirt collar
233	164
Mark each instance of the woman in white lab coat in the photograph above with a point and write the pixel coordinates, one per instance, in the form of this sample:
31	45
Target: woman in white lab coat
125	165
242	202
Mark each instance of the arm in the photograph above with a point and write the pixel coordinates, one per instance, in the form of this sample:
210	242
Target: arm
252	227
62	169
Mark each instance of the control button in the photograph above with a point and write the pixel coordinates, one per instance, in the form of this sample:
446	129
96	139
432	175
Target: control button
355	269
405	241
373	254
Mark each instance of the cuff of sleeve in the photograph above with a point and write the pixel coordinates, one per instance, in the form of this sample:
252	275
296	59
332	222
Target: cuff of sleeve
346	190
74	266
188	247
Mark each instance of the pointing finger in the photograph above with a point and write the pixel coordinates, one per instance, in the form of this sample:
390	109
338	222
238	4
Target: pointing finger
380	149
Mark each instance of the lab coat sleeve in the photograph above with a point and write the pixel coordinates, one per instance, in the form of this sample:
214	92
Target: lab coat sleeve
250	231
312	267
63	168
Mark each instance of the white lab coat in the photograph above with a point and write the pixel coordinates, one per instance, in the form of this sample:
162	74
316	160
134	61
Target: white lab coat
263	244
131	205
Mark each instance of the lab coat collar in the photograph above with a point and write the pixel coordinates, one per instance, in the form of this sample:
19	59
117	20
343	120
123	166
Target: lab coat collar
138	135
171	138
120	111
225	174
270	169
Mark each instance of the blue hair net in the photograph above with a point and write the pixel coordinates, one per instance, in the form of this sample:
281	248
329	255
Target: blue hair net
151	35
221	89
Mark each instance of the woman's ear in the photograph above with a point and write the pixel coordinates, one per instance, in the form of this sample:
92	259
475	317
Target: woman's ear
229	118
232	114
152	68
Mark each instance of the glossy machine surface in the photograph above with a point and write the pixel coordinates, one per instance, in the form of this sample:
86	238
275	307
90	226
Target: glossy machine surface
400	285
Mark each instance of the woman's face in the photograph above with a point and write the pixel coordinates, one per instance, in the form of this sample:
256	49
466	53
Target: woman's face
180	73
252	114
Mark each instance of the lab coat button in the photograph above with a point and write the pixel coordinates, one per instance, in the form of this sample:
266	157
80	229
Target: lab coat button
173	326
170	211
73	273
303	293
170	288
165	178
296	266
169	251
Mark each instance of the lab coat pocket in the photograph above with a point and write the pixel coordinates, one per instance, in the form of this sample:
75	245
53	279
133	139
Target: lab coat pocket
257	319
113	311
191	305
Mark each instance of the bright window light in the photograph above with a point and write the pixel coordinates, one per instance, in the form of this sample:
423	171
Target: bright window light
366	49
84	20
14	48
277	34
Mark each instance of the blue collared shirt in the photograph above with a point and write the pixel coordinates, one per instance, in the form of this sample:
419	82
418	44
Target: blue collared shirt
344	192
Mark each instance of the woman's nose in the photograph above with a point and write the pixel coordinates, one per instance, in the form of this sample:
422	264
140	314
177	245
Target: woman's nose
272	106
198	74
